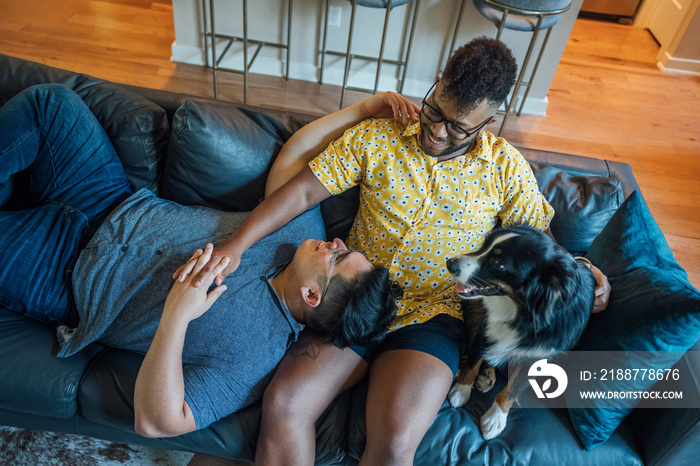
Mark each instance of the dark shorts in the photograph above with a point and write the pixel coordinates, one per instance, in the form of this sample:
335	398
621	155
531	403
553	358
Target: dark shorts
443	337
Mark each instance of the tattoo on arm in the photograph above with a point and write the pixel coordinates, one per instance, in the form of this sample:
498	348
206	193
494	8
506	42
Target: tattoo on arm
308	346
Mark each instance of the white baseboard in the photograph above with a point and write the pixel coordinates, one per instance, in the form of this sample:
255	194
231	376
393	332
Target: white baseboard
679	65
361	76
187	54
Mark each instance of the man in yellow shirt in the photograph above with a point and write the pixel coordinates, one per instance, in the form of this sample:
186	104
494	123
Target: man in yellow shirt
416	209
432	186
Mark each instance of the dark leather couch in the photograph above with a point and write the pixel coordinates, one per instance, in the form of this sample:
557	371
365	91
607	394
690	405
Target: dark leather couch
217	154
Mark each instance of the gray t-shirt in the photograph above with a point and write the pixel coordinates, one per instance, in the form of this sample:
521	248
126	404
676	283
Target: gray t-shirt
124	275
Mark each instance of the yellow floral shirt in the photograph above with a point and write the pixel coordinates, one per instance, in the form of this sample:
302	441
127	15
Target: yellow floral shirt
415	212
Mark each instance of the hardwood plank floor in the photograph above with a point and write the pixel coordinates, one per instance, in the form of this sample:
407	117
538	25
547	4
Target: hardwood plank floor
608	99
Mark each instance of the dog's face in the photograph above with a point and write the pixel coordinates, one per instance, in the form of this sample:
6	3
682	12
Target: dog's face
525	265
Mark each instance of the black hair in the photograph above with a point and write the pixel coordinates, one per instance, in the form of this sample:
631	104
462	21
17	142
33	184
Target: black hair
358	311
482	69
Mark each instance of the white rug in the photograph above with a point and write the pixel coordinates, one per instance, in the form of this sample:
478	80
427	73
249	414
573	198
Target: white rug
21	447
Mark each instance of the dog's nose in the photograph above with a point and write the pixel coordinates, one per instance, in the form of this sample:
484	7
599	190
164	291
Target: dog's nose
453	265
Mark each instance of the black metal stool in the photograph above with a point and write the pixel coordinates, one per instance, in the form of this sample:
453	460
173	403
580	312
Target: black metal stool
231	39
521	15
402	62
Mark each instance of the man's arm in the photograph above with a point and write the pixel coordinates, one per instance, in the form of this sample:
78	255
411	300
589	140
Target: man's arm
313	138
160	409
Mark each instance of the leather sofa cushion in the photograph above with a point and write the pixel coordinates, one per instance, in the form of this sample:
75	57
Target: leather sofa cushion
220	153
583	204
138	129
32	379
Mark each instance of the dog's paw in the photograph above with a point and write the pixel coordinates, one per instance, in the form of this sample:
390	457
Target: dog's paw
493	422
459	394
486	379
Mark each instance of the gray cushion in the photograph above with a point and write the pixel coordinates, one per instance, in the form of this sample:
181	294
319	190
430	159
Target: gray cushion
381	3
520	22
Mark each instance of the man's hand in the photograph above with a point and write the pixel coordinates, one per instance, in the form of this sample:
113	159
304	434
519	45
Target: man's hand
602	288
391	105
186	295
206	271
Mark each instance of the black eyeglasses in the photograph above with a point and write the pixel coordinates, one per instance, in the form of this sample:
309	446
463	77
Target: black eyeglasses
337	255
454	129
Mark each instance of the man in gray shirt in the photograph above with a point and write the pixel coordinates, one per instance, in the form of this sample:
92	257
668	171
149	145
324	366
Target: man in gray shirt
99	260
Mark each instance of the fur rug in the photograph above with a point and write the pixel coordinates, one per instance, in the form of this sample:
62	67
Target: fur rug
21	447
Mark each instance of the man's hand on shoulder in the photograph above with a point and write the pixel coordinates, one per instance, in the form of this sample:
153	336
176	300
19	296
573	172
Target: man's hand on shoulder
391	105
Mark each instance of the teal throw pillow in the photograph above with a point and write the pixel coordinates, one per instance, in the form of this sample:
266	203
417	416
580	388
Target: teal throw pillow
653	309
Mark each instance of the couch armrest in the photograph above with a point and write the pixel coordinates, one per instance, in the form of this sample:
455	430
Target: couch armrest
671	436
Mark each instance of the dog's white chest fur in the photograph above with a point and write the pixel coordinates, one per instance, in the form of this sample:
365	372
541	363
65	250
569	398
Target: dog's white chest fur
500	312
504	339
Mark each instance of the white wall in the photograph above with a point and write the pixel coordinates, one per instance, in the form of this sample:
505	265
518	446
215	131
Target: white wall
433	37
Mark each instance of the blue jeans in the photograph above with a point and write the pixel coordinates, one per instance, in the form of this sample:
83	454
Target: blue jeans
76	180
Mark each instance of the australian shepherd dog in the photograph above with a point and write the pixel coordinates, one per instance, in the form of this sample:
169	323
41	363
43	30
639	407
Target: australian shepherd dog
524	299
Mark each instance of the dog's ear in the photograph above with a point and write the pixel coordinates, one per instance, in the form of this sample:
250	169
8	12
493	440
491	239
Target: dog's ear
584	287
549	290
564	287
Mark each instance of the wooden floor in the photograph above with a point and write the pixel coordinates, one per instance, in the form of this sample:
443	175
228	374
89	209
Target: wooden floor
608	98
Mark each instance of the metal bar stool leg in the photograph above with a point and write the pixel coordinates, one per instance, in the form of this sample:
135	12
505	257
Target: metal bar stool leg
381	47
521	74
534	70
348	56
245	51
532	16
323	47
507	102
502	24
213	49
205	28
410	43
456	33
289	37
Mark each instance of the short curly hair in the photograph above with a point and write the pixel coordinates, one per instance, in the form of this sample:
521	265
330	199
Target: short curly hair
483	69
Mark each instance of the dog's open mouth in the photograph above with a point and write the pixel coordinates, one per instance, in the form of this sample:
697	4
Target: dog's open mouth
471	291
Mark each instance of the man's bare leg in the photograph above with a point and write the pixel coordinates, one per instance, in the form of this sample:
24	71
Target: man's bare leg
406	390
311	375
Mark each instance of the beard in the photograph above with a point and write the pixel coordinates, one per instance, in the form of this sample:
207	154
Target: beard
442	147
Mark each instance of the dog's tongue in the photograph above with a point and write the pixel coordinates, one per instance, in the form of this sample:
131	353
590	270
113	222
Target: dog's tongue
463	289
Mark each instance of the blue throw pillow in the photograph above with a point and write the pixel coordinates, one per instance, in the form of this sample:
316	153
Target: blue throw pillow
653	308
